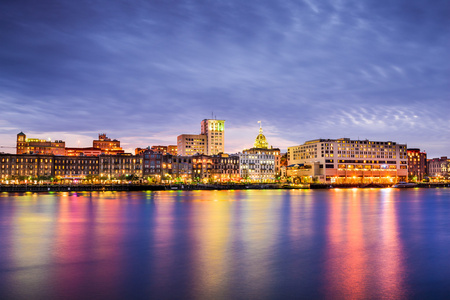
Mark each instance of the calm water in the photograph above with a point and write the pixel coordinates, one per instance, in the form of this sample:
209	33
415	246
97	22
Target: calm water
336	244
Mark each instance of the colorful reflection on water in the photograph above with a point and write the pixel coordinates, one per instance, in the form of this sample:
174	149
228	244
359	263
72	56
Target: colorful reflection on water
336	244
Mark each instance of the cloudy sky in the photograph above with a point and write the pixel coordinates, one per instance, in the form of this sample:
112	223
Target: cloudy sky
147	71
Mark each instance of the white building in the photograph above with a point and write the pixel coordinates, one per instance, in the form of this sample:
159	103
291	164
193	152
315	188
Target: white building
214	130
257	167
348	161
261	146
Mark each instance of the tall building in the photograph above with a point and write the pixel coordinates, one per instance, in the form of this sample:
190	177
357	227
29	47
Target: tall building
26	145
214	130
417	164
348	161
191	144
211	141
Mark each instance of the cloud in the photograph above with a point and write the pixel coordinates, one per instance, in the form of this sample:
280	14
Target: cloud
152	70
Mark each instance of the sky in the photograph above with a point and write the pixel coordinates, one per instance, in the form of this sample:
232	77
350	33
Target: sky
145	72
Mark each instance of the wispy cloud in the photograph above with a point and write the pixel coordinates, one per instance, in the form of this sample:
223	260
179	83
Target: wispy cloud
153	70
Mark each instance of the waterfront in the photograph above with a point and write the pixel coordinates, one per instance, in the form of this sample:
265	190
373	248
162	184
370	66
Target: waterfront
247	244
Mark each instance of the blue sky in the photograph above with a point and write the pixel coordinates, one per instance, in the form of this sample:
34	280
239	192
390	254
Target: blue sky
147	71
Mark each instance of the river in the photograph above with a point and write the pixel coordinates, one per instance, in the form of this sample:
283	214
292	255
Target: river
249	244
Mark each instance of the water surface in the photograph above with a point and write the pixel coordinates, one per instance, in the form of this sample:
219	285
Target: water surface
261	244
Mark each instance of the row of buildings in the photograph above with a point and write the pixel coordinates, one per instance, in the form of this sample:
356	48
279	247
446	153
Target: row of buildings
363	161
201	157
103	145
106	160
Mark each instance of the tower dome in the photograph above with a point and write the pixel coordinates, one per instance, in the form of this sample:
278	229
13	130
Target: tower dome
261	141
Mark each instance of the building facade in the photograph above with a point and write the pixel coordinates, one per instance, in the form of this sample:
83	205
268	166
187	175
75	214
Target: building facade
26	145
171	149
348	161
439	168
202	167
182	168
157	165
225	168
75	167
191	144
257	167
417	164
115	166
69	167
25	165
261	146
89	151
107	145
214	131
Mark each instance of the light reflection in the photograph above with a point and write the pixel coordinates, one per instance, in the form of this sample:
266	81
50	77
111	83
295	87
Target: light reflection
211	254
355	226
259	225
202	244
391	254
31	238
162	239
346	256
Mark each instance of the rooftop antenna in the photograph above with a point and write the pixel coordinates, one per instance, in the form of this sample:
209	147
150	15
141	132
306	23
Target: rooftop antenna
212	113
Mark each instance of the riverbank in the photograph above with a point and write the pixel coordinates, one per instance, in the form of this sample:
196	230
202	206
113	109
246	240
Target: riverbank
174	187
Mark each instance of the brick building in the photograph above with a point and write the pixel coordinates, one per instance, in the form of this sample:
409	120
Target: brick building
417	164
26	145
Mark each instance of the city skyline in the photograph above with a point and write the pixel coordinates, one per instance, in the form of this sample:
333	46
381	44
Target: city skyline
146	73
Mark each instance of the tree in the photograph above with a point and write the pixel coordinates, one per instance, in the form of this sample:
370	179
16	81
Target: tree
412	178
132	177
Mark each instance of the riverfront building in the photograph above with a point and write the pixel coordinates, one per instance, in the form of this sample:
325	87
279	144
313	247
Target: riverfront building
261	146
120	165
75	167
25	165
26	145
417	164
202	167
156	165
226	168
182	168
439	168
257	167
348	161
